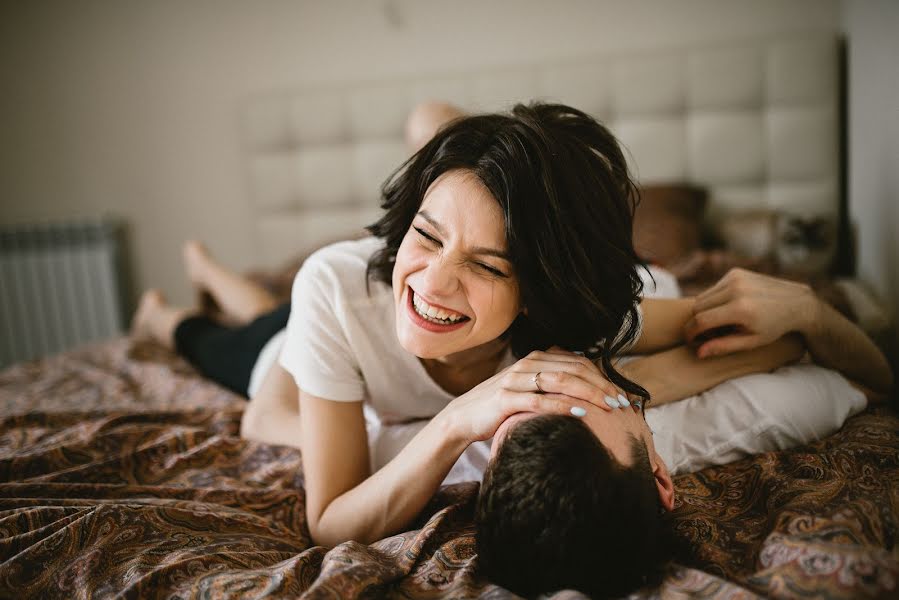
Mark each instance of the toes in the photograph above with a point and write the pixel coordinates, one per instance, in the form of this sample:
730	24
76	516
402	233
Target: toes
195	256
194	249
149	302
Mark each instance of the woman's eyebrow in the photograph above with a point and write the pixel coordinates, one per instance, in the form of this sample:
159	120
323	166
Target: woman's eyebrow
476	250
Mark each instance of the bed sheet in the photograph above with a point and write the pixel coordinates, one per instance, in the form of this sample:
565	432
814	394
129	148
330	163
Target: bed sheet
123	474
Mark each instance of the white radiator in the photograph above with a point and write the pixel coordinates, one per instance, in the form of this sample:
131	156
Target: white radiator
60	285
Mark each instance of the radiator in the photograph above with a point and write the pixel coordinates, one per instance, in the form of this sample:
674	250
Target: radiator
60	285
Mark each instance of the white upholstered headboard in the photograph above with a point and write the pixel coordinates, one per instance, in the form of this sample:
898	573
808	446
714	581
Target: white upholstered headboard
755	122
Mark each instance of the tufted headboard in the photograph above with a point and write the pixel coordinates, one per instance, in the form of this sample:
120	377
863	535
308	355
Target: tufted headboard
754	122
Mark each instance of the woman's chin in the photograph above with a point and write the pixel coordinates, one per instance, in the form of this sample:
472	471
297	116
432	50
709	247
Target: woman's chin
413	344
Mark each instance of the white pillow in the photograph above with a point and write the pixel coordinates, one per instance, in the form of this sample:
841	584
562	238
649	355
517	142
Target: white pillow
752	414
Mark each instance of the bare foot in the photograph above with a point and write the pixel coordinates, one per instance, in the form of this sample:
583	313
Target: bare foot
151	302
426	119
196	261
156	320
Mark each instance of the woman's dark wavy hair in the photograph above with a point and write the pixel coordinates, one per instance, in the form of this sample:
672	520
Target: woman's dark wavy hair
568	200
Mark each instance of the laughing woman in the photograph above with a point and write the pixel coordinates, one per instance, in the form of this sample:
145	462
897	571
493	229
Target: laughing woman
501	279
504	235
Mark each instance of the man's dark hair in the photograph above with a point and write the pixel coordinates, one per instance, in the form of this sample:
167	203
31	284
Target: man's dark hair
557	511
568	200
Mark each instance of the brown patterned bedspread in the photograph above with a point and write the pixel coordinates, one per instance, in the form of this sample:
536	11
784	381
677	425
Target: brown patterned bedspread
123	475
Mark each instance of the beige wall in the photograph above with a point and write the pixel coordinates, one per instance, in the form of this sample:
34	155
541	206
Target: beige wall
132	108
872	27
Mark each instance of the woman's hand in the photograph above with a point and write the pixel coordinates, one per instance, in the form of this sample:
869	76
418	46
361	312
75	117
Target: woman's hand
567	384
745	310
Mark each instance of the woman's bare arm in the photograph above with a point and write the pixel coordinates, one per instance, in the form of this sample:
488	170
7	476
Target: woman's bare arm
663	323
677	373
344	502
756	310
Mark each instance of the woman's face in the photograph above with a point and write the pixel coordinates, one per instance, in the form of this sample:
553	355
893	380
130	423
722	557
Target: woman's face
452	266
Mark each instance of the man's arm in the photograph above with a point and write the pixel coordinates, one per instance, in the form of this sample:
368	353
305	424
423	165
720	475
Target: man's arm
835	342
678	373
760	309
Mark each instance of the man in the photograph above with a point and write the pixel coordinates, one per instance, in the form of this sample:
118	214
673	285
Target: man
581	504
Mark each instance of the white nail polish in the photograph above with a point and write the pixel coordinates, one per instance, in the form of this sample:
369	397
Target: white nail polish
577	411
612	402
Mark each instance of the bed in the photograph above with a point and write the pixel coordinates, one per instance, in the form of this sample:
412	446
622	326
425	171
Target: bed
124	474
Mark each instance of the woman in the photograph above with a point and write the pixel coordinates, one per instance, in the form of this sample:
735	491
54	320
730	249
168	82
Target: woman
502	229
504	235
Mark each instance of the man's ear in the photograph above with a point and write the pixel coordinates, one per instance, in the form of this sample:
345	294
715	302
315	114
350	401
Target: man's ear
663	482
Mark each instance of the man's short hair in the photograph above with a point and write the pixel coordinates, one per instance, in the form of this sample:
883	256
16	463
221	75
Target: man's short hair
557	511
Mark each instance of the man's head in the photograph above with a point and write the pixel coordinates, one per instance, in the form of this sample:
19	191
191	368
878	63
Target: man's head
559	509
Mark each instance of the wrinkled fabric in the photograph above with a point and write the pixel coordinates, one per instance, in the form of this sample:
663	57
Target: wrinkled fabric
122	473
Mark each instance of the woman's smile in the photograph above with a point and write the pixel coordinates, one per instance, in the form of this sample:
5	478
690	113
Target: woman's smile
431	317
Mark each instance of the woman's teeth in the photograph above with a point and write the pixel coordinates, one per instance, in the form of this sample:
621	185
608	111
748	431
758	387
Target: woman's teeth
435	315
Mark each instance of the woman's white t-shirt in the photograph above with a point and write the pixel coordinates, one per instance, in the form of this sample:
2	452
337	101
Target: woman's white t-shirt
340	344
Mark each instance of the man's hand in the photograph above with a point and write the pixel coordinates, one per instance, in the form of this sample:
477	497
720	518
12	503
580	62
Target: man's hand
746	310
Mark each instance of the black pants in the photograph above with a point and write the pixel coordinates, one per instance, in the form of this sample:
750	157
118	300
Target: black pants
224	354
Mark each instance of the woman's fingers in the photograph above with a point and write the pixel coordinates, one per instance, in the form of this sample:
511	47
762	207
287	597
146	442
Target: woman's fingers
559	404
571	363
727	345
550	381
559	354
556	360
607	397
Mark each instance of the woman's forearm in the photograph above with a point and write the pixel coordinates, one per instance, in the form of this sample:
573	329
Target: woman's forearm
677	373
388	501
836	343
663	324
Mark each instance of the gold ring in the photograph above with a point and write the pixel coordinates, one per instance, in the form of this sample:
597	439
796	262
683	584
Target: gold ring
537	382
